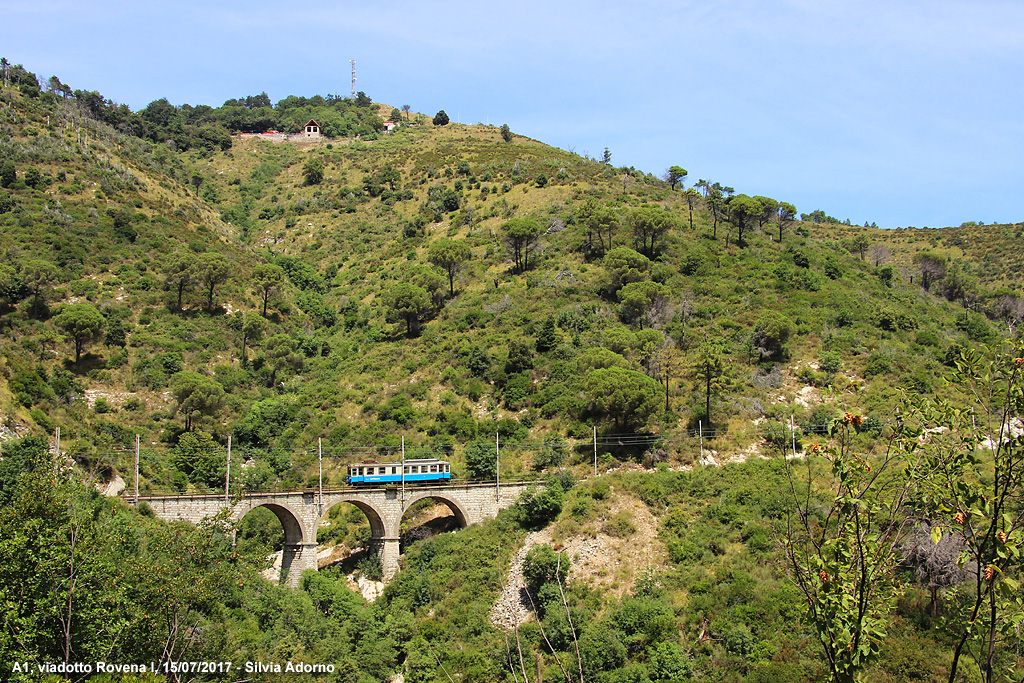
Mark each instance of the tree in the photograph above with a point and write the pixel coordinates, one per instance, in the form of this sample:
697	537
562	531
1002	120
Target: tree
769	209
251	326
33	176
629	397
606	157
313	171
406	108
643	301
860	244
407	301
82	323
708	368
441	118
37	275
281	354
506	133
691	194
266	279
624	265
117	332
664	364
547	337
602	221
879	254
786	214
675	175
770	333
212	270
8	173
450	255
395	115
181	270
200	458
521	235
714	198
62	595
12	287
931	266
198	396
743	210
845	524
974	495
648	225
481	460
196	181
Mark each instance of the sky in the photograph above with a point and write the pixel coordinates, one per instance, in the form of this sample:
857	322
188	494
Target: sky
902	113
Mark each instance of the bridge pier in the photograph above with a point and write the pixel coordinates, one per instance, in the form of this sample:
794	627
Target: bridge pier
295	559
388	550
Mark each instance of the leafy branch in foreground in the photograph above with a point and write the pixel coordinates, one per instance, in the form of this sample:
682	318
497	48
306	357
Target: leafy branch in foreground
975	449
842	540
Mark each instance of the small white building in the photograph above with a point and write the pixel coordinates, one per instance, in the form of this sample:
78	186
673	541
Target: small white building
311	129
389	126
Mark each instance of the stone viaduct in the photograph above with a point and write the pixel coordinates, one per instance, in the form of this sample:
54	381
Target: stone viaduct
301	513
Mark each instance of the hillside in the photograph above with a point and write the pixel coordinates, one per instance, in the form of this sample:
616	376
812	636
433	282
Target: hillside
441	286
364	339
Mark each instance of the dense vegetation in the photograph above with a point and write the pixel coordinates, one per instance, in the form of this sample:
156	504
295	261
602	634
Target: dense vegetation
437	286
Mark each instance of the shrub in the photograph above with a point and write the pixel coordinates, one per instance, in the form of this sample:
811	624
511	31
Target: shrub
542	565
877	365
552	454
539	505
830	362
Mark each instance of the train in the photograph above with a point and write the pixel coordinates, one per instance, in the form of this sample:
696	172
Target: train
421	471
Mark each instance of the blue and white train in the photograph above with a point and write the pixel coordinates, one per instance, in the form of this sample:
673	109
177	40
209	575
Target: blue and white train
424	471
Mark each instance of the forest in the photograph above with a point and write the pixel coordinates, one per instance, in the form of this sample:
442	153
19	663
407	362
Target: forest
817	422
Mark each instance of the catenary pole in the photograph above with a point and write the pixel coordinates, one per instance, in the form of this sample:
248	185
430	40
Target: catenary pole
227	475
136	469
700	430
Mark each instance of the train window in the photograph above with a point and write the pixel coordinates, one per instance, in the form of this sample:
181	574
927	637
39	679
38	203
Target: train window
433	468
394	470
382	470
447	467
415	469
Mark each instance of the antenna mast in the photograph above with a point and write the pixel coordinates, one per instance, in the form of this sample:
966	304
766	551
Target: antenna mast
353	63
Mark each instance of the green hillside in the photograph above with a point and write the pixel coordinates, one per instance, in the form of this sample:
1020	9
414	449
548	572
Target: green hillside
432	287
342	356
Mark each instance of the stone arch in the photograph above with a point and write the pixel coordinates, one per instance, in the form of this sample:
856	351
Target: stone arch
378	527
457	508
290	520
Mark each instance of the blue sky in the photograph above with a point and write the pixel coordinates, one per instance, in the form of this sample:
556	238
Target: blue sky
901	112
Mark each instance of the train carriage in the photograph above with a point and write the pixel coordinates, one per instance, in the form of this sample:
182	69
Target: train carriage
422	471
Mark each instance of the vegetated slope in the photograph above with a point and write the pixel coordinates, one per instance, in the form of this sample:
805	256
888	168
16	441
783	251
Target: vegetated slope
540	344
373	334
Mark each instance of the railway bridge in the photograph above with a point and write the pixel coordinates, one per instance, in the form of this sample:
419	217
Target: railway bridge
301	513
